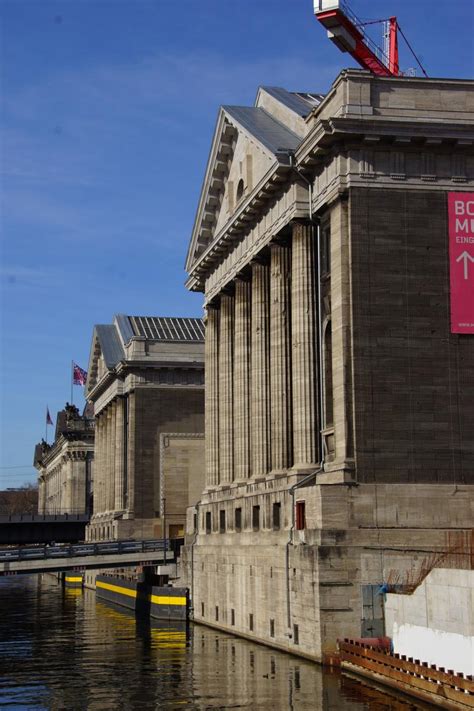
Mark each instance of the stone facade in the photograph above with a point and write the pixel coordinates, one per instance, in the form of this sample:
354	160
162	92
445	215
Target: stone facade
339	406
65	467
146	382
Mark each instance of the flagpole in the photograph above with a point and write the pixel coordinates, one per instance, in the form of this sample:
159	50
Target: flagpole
46	433
72	379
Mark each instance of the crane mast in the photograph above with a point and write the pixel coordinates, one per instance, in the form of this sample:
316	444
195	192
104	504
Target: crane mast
348	34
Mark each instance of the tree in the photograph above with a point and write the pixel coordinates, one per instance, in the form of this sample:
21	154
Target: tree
23	500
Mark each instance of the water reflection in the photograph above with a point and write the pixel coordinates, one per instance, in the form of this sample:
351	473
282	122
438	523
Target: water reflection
60	649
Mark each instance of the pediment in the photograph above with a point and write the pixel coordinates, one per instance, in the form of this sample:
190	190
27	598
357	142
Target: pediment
248	142
105	354
96	367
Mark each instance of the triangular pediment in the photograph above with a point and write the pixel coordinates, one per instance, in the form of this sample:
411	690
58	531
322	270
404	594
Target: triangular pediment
248	143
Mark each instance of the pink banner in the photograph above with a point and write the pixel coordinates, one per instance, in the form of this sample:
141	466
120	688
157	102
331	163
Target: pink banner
461	261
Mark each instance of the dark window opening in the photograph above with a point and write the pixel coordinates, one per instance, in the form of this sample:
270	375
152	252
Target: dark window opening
202	609
255	518
232	617
328	392
195	521
208	522
276	516
296	634
300	516
272	628
240	190
217	613
251	623
238	519
222	521
325	250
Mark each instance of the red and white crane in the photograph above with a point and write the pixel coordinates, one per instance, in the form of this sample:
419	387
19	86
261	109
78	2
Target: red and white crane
348	34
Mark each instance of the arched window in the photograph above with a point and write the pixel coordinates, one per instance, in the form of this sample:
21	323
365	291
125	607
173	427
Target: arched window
328	390
240	190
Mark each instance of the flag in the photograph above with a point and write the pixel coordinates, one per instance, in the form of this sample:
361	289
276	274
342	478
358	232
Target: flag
79	376
48	417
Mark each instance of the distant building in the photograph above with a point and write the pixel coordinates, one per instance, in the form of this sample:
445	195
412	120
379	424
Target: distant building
146	383
339	399
65	467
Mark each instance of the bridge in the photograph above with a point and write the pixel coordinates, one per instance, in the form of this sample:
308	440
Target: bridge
86	556
35	528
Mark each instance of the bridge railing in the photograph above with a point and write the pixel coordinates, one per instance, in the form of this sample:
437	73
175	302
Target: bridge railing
82	549
45	518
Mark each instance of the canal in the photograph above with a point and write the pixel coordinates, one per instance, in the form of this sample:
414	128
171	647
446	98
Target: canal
60	649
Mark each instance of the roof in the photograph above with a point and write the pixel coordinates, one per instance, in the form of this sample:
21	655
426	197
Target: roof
160	328
302	103
264	128
110	344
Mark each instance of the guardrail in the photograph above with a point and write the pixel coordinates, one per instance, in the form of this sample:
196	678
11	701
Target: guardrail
45	518
49	552
426	681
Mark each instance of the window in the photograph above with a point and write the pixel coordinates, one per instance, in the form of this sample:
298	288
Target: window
327	365
276	516
255	518
232	617
296	634
217	613
222	521
240	190
300	515
325	246
208	522
202	609
238	519
251	623
272	628
195	521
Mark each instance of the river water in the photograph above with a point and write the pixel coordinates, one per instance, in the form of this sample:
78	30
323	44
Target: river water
61	649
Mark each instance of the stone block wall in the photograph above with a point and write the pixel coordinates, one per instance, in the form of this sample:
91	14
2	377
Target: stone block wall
160	411
413	379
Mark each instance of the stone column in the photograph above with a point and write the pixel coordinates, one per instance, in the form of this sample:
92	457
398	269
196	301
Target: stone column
280	357
260	371
212	396
242	380
113	420
98	465
119	464
108	458
131	456
303	336
226	404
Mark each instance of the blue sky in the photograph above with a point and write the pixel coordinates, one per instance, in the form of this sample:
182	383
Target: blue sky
108	110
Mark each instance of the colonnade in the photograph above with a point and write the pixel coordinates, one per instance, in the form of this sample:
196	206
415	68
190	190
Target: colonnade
111	457
261	363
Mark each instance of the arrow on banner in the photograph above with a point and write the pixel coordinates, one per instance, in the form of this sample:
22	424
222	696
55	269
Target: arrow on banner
466	257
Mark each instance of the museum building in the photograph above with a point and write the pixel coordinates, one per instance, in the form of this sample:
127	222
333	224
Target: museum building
339	403
146	383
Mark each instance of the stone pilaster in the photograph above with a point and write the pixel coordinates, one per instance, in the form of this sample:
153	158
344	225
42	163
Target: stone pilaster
303	337
119	463
260	371
226	405
280	357
242	381
212	396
